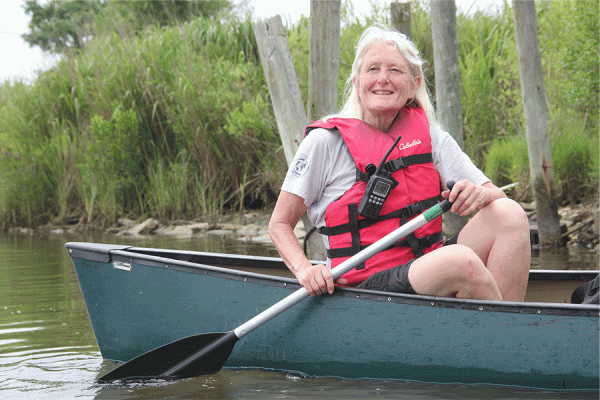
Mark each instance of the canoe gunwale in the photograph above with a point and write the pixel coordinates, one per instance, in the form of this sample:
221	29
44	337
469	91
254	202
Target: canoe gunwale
277	263
150	257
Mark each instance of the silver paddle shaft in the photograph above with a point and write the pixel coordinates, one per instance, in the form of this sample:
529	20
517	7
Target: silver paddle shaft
345	266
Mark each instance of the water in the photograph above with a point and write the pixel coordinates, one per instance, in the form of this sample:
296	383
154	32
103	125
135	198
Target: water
48	349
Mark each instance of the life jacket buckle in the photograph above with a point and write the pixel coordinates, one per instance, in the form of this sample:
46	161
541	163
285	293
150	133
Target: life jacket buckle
412	210
396	164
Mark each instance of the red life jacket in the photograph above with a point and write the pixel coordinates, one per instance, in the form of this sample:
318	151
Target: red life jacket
411	164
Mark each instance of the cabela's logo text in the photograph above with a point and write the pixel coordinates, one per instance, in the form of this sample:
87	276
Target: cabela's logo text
406	145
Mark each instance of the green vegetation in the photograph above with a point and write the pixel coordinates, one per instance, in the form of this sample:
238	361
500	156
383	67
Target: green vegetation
571	69
507	161
173	120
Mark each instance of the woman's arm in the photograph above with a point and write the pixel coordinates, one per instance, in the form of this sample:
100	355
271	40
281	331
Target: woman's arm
468	197
317	279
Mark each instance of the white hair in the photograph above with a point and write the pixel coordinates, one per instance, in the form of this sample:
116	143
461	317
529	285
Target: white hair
352	107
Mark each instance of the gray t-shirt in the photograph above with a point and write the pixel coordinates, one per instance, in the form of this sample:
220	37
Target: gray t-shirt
323	170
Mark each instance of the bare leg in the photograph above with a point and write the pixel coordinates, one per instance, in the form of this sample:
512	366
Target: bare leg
499	235
453	271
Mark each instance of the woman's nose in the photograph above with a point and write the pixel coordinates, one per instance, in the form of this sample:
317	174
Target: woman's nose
383	76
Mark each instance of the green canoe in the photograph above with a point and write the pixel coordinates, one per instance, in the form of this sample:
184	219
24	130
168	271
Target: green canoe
139	299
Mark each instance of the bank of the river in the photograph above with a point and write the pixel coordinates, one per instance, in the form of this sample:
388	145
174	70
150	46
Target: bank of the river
581	222
250	226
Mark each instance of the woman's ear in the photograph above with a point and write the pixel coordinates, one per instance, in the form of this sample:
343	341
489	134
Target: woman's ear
416	84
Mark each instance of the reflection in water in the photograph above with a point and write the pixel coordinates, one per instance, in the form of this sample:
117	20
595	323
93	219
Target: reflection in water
569	258
48	349
46	344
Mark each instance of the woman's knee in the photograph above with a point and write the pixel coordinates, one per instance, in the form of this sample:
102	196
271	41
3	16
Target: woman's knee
467	265
470	275
507	214
462	266
454	270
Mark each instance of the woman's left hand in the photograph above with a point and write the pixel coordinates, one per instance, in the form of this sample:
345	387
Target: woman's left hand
466	197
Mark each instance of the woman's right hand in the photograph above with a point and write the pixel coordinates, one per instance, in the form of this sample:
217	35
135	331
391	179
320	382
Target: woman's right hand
317	279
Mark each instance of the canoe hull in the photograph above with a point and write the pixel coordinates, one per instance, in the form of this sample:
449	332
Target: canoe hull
137	302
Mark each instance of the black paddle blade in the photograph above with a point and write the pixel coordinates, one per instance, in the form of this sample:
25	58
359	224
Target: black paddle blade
183	358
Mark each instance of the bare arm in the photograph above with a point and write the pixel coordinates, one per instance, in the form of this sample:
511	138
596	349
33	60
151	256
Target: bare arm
468	197
317	279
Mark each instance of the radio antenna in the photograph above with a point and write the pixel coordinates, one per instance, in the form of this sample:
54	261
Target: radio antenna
382	163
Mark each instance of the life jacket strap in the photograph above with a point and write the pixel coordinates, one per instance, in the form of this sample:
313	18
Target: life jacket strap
408	212
398	163
412	241
423	242
353	216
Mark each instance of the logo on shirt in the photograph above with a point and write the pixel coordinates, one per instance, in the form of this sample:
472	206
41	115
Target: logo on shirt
300	167
406	145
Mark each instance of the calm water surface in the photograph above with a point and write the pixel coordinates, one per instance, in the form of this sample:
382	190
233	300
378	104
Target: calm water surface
48	349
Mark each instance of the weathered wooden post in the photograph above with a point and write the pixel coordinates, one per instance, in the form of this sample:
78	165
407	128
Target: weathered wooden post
536	122
401	18
282	82
285	95
324	56
447	84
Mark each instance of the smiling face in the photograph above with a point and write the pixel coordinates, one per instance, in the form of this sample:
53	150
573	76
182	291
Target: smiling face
384	84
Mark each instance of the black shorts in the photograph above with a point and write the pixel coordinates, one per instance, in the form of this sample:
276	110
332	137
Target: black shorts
395	279
390	280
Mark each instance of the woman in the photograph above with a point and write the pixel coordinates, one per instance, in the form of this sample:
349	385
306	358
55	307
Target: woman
488	259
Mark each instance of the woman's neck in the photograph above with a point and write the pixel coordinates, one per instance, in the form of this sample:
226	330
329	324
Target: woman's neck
382	121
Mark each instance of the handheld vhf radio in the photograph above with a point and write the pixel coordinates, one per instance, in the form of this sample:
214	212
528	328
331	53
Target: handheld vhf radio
378	188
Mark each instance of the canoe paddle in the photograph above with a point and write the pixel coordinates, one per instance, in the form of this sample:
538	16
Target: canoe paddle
207	353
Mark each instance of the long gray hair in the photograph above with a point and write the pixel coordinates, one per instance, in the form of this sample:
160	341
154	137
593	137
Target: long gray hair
352	107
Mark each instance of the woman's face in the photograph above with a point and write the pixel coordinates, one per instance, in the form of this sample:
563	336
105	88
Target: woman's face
384	84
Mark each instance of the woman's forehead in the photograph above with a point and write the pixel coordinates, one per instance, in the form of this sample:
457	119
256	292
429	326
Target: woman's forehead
385	52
